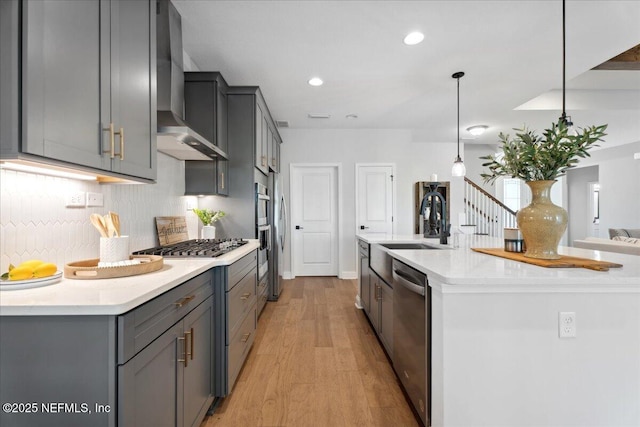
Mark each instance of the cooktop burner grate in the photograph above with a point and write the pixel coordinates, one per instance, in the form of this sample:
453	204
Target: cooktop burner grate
195	248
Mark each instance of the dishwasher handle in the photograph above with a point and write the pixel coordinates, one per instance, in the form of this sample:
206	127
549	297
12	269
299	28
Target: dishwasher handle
403	280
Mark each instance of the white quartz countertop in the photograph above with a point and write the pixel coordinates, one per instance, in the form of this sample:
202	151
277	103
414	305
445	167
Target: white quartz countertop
463	270
111	296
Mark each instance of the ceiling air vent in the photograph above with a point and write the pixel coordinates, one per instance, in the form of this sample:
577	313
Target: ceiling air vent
282	123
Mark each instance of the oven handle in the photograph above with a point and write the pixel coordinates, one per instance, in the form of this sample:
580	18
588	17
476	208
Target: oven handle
269	238
402	279
263	197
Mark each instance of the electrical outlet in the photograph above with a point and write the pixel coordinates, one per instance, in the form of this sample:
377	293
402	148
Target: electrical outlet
95	199
75	200
567	324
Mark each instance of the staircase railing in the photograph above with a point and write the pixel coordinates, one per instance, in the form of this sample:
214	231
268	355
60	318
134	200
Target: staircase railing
488	214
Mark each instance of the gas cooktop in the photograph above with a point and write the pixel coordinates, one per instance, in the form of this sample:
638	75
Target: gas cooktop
195	248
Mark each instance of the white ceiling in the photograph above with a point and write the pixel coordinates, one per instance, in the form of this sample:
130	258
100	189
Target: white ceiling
511	52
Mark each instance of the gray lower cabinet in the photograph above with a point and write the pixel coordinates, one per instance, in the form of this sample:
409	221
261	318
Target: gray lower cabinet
381	312
87	73
170	382
236	319
152	366
365	281
262	293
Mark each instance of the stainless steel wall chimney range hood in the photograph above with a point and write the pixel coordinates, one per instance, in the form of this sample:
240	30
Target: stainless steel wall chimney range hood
175	137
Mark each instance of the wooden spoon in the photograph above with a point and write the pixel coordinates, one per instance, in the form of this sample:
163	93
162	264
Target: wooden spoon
111	230
115	220
98	223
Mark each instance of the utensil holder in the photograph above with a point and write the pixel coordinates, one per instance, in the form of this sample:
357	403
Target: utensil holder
114	249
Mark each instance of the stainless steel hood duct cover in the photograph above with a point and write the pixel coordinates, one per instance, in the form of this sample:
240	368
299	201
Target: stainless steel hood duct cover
175	137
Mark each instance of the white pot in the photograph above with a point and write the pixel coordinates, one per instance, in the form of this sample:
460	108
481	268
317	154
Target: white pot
208	232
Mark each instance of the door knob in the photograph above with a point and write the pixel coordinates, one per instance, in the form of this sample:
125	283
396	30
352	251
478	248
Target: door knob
299	228
362	227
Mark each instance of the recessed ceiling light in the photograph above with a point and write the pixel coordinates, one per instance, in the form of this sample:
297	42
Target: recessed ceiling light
318	115
477	130
315	81
351	116
413	38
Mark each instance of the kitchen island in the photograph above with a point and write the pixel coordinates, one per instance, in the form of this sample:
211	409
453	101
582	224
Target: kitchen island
154	349
496	354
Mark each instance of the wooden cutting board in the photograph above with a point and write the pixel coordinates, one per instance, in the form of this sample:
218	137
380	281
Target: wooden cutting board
563	262
171	229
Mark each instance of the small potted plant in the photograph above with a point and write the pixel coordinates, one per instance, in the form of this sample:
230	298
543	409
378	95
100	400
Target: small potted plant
539	161
208	218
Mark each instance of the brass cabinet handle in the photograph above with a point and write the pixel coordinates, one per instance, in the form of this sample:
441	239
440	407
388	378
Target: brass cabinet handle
193	337
187	334
112	140
273	161
263	161
184	349
222	180
245	296
245	337
121	133
184	301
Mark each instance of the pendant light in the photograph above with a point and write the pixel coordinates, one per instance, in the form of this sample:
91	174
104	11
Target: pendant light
458	165
564	118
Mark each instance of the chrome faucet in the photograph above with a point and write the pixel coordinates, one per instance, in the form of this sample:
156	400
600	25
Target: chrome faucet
444	227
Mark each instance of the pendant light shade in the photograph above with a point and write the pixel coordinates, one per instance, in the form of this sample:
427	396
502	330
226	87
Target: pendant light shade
458	165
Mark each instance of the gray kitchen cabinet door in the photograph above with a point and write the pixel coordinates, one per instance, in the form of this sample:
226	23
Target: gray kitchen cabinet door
365	285
222	112
374	313
133	87
150	384
386	317
65	55
271	156
261	132
198	371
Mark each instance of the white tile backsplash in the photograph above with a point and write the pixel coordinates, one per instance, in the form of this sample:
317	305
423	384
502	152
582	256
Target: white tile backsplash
34	222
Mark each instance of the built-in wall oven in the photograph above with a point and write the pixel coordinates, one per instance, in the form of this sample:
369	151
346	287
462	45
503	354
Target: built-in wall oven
263	228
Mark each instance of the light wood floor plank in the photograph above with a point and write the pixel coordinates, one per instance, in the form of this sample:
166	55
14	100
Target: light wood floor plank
315	362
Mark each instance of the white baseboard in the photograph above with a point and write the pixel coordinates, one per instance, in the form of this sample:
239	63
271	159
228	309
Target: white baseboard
287	275
347	275
359	303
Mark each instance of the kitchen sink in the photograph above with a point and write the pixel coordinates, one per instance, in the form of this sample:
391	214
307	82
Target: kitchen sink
407	246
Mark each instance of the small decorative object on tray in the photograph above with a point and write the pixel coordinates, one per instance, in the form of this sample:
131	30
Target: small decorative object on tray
94	269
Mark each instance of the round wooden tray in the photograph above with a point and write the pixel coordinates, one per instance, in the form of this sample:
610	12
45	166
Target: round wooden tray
88	269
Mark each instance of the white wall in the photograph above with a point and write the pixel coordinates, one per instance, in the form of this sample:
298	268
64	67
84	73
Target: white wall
414	162
34	222
619	178
472	162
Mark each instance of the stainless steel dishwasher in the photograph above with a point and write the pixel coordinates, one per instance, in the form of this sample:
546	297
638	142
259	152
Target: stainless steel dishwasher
412	335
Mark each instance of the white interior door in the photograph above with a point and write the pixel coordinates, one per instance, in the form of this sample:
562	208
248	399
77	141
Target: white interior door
375	198
314	220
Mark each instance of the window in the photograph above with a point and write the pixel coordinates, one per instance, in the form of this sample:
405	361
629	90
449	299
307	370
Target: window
511	187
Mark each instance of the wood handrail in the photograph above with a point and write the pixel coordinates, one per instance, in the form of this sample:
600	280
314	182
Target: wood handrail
483	191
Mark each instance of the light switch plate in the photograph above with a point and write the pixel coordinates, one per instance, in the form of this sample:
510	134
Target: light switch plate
95	199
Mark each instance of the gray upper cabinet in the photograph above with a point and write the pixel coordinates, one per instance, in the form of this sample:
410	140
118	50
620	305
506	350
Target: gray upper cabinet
206	111
205	106
87	67
261	137
265	133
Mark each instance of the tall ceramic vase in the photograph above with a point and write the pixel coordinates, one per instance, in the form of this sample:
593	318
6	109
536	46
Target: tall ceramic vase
542	223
